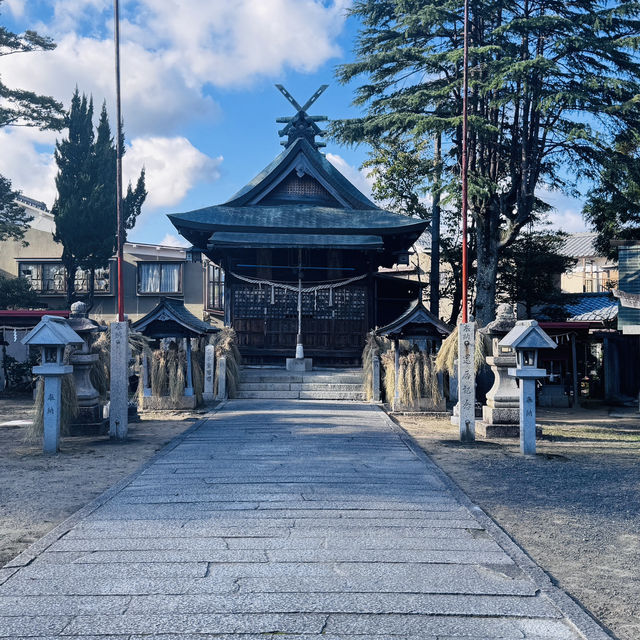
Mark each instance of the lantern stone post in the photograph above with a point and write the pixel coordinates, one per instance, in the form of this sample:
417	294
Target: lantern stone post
526	338
52	334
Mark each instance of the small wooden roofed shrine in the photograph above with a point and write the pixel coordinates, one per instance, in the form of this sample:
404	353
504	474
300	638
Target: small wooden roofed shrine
171	319
301	246
418	325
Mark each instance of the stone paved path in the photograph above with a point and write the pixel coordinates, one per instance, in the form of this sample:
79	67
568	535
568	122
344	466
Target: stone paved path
285	519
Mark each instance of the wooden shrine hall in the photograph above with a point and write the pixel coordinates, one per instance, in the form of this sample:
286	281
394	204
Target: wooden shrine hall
300	247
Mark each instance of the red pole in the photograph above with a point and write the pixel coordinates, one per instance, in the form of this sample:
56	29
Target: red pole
120	224
465	92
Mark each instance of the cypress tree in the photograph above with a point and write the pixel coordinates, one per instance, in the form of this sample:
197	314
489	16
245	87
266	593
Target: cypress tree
85	210
75	184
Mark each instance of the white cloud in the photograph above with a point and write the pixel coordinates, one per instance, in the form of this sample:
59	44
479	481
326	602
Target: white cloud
31	171
16	7
171	240
567	211
357	177
155	94
172	53
173	166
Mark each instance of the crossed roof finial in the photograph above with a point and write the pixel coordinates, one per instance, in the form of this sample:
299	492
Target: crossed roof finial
301	125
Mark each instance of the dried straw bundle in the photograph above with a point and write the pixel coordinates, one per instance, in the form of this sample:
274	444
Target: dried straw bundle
430	382
226	346
387	360
372	346
68	409
448	353
176	363
159	377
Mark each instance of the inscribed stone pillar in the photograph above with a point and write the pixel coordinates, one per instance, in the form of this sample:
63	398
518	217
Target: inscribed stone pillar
209	372
119	390
188	389
466	382
222	378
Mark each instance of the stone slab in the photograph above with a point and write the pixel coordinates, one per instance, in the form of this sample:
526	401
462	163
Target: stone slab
288	519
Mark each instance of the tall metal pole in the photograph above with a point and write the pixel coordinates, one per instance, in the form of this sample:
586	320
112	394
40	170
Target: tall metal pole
466	330
120	222
118	384
465	162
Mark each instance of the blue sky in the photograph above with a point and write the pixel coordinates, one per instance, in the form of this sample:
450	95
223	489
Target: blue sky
199	101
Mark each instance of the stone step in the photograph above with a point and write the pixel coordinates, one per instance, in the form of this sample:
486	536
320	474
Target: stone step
300	379
298	386
300	395
267	395
332	395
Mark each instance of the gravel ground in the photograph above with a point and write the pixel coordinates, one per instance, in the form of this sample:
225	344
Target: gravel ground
38	492
574	508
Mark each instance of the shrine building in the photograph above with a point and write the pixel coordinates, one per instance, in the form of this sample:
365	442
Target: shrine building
300	247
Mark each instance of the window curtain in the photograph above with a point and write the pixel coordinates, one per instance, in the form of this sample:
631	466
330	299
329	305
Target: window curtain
170	278
149	277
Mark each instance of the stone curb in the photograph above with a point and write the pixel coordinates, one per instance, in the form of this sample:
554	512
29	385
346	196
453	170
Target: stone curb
583	621
39	546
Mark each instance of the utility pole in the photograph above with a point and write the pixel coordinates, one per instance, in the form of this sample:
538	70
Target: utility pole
119	384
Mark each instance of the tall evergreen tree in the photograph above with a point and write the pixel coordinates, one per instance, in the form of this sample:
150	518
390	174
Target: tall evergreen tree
530	269
613	205
20	108
75	184
85	210
552	83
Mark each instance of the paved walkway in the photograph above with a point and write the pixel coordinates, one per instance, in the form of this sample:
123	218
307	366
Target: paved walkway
285	519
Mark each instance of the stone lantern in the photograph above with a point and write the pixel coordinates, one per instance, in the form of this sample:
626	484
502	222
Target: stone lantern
526	339
52	334
500	415
89	420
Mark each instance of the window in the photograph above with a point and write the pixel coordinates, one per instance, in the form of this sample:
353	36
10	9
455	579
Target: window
159	277
101	280
44	277
49	278
215	287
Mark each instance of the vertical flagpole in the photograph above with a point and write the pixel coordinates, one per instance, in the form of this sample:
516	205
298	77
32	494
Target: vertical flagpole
119	379
466	330
120	224
465	162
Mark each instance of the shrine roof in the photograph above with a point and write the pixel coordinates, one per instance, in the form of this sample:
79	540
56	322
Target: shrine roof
303	157
170	318
293	240
300	192
408	323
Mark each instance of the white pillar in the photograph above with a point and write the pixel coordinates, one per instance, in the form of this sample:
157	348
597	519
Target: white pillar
375	373
396	364
188	389
528	416
209	372
52	404
466	381
222	378
146	383
119	387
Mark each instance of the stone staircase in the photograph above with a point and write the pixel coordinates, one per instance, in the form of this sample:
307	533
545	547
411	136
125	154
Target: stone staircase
322	384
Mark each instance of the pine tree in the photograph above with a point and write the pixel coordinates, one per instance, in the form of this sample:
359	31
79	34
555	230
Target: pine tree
552	83
20	108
